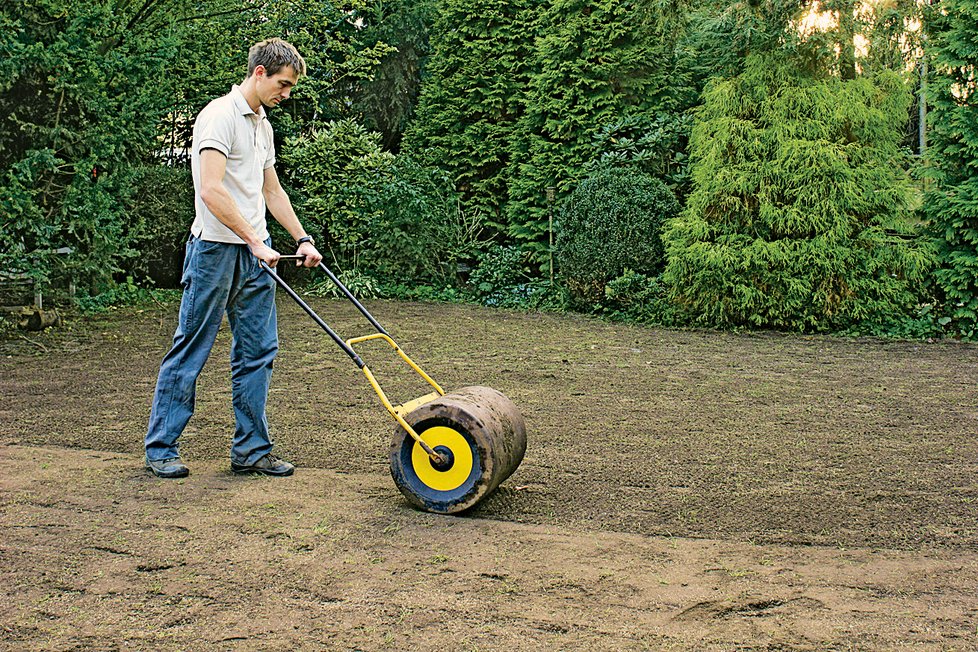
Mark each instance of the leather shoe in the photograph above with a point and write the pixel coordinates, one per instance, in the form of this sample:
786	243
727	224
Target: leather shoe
171	468
266	465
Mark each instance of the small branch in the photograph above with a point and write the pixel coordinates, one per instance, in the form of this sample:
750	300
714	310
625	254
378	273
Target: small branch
144	12
37	344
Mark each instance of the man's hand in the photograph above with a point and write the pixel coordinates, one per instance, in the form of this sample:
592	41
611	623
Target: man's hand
267	254
313	257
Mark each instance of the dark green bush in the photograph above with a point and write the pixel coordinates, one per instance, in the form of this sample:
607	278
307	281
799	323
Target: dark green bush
78	107
611	222
162	212
126	293
636	297
413	228
951	201
373	211
501	277
332	174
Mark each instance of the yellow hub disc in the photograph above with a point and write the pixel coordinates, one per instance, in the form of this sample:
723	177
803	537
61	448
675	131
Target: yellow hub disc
450	478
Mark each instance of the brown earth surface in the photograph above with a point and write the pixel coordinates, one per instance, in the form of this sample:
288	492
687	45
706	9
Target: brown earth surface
681	490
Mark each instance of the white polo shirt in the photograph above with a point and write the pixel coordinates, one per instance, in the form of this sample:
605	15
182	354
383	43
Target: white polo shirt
229	125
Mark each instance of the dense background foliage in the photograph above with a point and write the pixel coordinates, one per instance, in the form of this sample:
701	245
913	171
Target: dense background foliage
952	198
770	163
611	224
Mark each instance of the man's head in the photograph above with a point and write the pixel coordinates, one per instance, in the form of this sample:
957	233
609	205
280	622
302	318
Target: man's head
273	54
274	67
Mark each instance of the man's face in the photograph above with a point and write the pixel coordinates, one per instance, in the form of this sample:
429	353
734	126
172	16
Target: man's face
275	88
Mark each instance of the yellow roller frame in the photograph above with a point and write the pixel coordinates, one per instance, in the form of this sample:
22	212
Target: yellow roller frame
402	410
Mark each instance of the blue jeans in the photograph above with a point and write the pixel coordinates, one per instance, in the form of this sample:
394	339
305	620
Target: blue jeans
219	278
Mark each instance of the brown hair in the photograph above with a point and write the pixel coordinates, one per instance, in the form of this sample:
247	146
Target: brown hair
275	54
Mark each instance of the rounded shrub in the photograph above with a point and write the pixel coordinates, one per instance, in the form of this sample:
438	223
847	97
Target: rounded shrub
611	222
382	215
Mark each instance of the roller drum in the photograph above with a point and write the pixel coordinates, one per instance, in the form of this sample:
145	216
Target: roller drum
482	437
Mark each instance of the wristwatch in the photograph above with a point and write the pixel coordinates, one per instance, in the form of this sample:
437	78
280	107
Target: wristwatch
304	239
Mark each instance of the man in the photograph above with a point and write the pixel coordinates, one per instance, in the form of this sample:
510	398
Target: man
233	161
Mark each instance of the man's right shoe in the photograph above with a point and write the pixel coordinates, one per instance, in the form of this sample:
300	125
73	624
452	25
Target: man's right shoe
171	468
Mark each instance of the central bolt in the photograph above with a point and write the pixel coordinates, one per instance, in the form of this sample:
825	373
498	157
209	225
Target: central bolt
445	459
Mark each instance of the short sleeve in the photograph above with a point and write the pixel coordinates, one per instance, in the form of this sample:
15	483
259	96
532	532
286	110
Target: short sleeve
214	130
270	157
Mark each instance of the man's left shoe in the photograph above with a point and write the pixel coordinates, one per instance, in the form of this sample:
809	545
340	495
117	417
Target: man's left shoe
170	468
267	465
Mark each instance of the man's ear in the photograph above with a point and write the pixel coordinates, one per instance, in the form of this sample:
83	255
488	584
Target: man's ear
259	71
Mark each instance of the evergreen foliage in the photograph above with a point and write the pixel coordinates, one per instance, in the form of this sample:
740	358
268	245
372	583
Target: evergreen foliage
594	63
213	51
334	171
609	224
163	207
651	146
81	91
387	99
416	233
799	214
501	278
951	203
472	96
797	201
337	53
95	93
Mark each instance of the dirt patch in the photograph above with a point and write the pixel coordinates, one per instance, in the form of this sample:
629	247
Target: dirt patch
683	489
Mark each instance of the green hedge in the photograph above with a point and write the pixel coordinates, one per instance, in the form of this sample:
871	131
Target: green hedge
611	223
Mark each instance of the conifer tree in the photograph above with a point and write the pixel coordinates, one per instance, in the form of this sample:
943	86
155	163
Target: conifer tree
594	63
386	100
799	214
951	202
471	96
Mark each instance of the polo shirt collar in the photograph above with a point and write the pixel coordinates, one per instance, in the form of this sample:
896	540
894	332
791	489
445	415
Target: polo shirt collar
242	104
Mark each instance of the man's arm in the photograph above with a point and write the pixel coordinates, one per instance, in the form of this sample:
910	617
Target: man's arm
213	165
281	209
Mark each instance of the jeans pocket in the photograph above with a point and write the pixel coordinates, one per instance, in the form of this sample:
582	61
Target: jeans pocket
205	247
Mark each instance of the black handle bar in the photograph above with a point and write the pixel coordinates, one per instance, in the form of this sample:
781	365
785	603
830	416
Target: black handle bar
312	313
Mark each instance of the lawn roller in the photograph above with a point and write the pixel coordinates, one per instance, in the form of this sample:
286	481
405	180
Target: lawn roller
449	451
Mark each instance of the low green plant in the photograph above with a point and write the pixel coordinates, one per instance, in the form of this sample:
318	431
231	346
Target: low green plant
359	284
423	292
501	278
125	294
7	327
636	297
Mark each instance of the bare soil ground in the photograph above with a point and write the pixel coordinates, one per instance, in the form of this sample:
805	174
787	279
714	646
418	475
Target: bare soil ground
681	490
